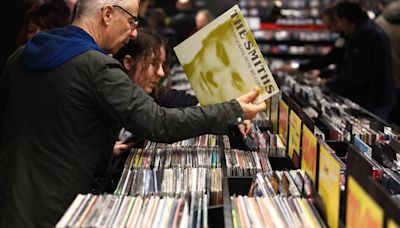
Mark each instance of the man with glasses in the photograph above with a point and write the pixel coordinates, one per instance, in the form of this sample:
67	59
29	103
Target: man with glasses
62	103
134	21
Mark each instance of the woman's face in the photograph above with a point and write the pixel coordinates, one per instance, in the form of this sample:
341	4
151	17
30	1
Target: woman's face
150	77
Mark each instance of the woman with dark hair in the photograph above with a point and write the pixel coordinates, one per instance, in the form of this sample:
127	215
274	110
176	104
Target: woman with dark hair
41	17
146	61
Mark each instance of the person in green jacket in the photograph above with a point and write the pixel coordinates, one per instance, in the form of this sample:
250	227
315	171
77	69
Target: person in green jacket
63	100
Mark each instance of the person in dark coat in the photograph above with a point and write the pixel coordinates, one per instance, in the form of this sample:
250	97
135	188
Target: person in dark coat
366	72
389	21
63	100
41	17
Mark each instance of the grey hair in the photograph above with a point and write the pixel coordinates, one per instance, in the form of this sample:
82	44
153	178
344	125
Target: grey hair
91	7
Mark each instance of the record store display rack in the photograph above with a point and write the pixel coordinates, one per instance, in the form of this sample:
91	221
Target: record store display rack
289	30
313	160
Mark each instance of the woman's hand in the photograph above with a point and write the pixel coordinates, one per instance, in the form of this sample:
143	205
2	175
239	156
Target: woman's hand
120	148
245	128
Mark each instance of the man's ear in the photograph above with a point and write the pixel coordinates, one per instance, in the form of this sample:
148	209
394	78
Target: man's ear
127	62
106	13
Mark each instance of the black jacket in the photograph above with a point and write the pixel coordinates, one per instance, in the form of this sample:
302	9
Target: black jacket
365	75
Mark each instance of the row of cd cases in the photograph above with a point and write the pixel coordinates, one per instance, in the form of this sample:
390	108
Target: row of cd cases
172	171
191	211
136	211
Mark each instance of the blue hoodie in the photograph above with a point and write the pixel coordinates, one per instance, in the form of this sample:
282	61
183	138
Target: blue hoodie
48	50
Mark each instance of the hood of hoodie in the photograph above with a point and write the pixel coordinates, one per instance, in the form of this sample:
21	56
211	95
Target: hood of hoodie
47	50
392	12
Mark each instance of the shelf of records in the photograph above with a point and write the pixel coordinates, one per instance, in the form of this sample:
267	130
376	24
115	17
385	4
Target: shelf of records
322	133
311	160
264	9
293	4
288	30
295	37
338	117
284	51
189	171
161	185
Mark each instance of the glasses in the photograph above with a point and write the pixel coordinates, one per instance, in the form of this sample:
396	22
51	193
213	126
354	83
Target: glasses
135	23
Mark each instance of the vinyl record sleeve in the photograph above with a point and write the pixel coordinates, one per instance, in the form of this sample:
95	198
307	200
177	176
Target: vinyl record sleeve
222	61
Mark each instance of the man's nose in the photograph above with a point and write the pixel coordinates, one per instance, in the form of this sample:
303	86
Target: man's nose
133	34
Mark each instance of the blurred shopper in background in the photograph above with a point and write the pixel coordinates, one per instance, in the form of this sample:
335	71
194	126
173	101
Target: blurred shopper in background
365	76
67	6
158	24
203	17
40	18
184	22
389	21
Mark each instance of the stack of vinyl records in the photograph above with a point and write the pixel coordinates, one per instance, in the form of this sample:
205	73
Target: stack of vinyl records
174	170
246	163
135	211
274	212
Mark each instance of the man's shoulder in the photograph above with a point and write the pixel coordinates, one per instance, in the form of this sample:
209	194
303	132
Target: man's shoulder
371	30
94	56
96	60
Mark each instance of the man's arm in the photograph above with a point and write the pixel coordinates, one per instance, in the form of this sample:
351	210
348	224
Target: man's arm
133	108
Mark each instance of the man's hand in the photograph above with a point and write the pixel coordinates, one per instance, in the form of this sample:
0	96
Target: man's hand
250	110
